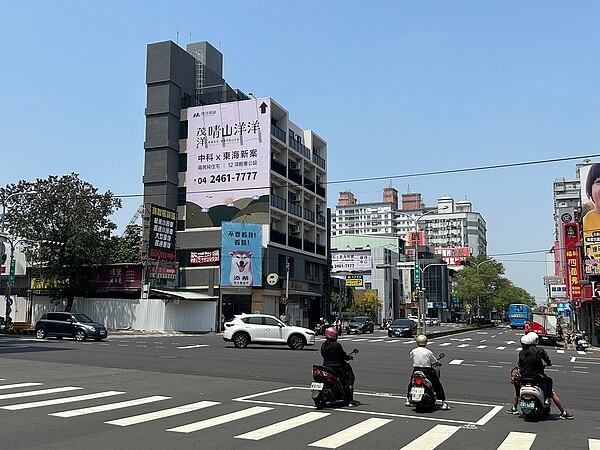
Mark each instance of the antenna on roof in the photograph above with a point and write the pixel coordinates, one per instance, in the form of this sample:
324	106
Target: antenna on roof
177	38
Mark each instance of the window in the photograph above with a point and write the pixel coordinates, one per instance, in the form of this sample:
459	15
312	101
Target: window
183	129
182	167
181	196
271	322
312	271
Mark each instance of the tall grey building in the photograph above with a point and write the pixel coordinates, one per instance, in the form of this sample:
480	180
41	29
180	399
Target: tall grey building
216	155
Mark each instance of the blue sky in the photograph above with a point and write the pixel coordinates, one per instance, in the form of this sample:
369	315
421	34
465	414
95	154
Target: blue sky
395	87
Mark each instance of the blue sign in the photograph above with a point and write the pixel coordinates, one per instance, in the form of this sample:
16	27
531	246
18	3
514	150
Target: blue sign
241	254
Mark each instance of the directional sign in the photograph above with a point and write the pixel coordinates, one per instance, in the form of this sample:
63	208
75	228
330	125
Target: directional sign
417	273
11	278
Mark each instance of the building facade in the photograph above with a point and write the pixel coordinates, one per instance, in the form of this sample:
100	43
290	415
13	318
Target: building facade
218	156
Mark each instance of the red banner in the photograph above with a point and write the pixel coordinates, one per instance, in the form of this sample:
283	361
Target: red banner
572	259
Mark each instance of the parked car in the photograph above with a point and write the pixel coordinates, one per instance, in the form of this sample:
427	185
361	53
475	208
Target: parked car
402	327
360	325
435	321
266	329
65	324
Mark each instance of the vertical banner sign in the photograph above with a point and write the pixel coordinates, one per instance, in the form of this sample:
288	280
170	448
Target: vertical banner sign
163	223
572	259
229	158
241	254
407	285
417	272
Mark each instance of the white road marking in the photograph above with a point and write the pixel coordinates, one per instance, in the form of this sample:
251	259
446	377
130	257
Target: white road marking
219	420
432	439
359	340
282	426
376	340
581	352
517	441
500	348
349	434
456	362
594	444
18	385
394	340
447	343
462	345
485	419
578	371
109	406
194	346
481	346
510	342
141	418
560	351
58	401
39	392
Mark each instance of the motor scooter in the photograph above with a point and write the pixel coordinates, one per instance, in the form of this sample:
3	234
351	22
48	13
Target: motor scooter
532	400
320	329
422	394
327	387
581	343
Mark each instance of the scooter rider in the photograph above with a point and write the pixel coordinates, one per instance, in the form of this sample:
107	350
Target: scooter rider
423	359
335	358
531	364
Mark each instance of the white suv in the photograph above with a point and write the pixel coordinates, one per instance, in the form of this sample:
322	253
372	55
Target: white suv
265	329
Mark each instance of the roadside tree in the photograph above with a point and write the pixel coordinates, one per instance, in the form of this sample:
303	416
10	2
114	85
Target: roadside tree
67	221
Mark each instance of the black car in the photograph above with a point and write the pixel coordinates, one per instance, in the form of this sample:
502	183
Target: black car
402	327
360	325
75	325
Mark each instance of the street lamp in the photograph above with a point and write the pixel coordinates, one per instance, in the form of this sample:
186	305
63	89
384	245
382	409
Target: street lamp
421	308
479	292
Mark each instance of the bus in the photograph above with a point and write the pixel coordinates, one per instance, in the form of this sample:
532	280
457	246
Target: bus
518	314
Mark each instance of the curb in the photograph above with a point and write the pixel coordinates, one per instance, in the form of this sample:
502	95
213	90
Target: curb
26	331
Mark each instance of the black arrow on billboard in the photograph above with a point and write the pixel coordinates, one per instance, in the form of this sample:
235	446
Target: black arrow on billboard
263	108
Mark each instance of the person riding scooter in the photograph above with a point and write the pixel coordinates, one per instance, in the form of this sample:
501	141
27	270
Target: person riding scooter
423	359
322	325
334	357
531	364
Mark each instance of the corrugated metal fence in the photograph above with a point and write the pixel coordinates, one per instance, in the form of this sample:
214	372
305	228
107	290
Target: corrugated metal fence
137	314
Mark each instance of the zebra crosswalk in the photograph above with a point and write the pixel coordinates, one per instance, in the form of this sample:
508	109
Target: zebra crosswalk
58	402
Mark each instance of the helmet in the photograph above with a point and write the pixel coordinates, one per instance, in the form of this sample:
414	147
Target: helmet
421	340
529	339
331	333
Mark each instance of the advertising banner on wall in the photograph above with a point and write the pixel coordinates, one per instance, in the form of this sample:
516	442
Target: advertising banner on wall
413	237
161	242
228	162
122	276
454	255
205	257
354	280
241	250
572	259
352	260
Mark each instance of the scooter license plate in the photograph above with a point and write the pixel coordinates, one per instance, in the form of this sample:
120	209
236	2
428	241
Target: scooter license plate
417	391
316	386
527	405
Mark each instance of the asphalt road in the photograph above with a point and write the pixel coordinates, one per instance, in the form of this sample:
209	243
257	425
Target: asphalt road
196	391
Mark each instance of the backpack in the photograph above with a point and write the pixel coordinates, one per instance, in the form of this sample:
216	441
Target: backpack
515	375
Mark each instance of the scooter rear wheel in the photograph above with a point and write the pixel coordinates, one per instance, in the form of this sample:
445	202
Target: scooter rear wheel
319	401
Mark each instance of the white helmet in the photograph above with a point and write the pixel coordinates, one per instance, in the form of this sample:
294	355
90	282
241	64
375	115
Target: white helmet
529	339
421	340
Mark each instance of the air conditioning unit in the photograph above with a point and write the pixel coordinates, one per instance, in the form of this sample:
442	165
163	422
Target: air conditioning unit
295	229
296	198
295	165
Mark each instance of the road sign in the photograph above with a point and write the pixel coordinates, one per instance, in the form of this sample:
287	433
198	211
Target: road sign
417	273
11	278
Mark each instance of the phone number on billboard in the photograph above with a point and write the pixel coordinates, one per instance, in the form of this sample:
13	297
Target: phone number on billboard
227	178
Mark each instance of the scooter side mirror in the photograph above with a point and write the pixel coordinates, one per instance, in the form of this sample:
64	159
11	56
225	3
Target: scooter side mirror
441	355
354	351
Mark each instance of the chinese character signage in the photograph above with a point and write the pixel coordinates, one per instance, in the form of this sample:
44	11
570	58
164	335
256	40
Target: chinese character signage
412	237
122	276
354	280
241	250
572	259
161	242
206	257
229	160
350	261
454	255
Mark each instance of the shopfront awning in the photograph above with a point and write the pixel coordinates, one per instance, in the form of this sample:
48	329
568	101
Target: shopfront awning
305	293
186	295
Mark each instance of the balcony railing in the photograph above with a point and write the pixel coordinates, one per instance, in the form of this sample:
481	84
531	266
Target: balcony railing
309	184
295	209
278	237
294	176
320	190
321	220
299	147
295	242
318	161
278	133
278	202
309	215
308	246
320	250
278	167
